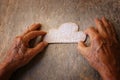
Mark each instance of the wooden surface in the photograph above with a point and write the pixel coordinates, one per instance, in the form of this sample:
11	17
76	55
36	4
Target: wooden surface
58	61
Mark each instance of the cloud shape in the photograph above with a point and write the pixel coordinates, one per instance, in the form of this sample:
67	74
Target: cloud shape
66	33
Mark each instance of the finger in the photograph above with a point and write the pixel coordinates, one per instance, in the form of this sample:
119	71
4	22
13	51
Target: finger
32	35
113	29
91	32
83	49
34	51
100	27
114	33
107	26
110	29
32	28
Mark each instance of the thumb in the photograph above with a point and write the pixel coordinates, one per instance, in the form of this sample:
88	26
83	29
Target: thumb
83	49
38	48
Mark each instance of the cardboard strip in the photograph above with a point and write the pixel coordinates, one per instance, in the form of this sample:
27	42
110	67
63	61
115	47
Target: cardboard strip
66	33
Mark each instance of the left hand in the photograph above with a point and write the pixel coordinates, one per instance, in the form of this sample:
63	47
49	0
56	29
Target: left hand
20	52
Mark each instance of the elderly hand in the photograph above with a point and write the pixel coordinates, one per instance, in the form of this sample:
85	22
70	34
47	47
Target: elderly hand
103	54
20	52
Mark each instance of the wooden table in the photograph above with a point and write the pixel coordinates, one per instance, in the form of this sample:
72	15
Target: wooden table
58	61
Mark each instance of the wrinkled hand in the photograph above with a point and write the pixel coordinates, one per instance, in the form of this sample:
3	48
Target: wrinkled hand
20	52
103	54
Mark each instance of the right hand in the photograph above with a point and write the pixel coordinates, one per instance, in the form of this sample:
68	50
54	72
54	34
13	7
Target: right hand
104	52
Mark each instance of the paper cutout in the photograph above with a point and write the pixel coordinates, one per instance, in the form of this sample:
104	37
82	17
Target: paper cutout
66	33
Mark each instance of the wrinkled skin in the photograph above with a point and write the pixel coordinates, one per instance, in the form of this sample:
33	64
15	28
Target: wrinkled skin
103	54
20	52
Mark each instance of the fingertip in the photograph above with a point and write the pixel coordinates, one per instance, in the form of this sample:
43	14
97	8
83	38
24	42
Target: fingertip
85	31
43	32
104	18
39	25
36	24
45	43
89	30
96	20
81	44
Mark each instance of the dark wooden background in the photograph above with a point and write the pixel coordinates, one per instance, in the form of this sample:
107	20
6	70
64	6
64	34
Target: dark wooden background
58	61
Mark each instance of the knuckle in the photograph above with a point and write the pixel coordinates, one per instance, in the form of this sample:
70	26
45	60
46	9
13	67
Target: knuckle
97	37
97	41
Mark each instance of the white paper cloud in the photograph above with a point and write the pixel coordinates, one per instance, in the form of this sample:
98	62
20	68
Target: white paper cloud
66	33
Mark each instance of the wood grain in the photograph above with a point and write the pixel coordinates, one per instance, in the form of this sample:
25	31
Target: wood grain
58	61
